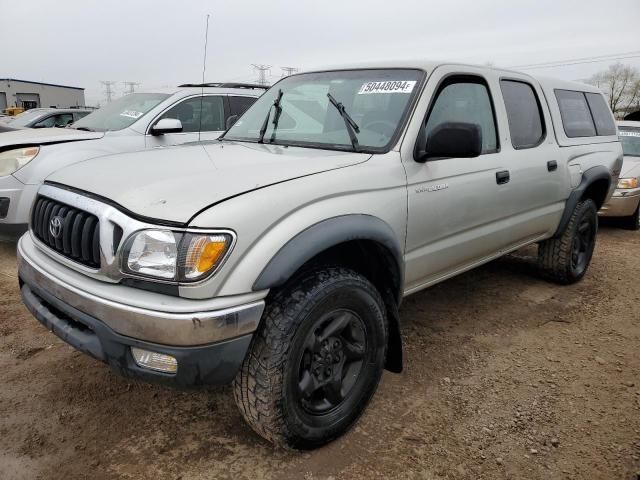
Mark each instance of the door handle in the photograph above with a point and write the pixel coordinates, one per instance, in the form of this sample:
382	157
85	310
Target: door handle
503	177
552	165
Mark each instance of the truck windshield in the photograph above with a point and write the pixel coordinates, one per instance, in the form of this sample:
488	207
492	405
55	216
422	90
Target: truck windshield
120	113
376	102
630	138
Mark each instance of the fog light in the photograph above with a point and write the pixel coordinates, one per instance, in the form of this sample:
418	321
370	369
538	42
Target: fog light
154	360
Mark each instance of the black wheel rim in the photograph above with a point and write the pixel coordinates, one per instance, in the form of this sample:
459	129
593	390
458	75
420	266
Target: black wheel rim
333	355
583	244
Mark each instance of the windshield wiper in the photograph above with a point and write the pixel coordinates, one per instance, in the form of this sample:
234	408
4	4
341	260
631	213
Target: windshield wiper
352	127
265	124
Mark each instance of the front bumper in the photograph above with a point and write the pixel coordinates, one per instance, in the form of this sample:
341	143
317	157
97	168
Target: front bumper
209	345
16	200
623	203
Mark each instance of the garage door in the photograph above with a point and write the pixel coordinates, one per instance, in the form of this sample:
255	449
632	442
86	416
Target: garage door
28	100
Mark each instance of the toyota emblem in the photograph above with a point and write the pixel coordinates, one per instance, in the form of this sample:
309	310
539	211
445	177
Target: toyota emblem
55	227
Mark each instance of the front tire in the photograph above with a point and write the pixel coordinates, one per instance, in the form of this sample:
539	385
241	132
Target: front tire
316	359
565	259
633	222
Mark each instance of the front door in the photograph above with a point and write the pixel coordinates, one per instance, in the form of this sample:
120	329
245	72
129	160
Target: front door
455	216
202	118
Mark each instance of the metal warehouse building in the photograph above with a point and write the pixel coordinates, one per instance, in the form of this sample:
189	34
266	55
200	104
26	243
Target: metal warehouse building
25	94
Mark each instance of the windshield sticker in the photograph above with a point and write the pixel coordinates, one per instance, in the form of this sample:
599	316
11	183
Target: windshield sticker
392	86
131	114
629	133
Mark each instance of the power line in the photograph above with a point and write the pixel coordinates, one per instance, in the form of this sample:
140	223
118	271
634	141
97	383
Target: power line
580	61
108	91
262	73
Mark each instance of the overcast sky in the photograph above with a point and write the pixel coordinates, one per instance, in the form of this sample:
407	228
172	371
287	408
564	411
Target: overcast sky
160	42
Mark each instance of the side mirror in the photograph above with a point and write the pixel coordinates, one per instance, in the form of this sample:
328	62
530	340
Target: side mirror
231	120
167	125
450	139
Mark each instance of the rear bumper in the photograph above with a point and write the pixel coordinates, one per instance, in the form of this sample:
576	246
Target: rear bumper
623	203
214	364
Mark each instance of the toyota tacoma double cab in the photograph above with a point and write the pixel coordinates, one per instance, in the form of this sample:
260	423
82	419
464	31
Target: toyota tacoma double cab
276	257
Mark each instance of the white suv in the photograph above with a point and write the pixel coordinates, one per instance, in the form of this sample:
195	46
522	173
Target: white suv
137	121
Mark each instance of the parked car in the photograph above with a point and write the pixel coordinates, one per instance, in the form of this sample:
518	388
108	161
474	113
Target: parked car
133	122
276	257
44	118
625	202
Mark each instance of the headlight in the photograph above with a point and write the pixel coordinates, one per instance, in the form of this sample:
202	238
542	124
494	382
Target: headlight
625	183
13	160
175	256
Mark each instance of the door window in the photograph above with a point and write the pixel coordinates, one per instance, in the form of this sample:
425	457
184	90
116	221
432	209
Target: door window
523	113
469	101
60	120
196	114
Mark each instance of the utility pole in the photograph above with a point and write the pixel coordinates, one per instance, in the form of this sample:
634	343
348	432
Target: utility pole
262	73
130	87
286	71
108	91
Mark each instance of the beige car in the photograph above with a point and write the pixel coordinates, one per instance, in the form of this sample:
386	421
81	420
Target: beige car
625	202
276	258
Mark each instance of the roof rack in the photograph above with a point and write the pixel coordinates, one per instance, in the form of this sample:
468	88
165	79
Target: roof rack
224	85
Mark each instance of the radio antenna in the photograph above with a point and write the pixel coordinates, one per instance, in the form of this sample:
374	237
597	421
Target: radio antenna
204	69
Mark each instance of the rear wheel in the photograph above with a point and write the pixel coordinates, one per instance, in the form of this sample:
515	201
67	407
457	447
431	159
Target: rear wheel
565	259
316	359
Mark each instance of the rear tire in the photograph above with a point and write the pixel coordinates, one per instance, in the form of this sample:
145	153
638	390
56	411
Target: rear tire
315	360
566	258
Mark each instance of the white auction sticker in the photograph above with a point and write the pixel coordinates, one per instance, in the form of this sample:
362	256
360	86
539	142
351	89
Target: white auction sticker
131	114
391	86
629	133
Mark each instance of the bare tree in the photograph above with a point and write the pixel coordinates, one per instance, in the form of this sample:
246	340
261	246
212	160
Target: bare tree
621	85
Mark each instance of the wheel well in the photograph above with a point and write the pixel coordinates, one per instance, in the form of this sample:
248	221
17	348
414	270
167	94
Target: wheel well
378	265
597	191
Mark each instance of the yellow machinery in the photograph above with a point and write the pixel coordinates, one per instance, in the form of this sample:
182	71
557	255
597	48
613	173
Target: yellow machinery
13	110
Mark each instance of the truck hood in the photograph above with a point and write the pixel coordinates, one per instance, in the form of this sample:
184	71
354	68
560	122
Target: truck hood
42	136
630	167
175	183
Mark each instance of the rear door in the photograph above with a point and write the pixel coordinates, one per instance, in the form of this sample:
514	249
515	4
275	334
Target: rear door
534	194
456	216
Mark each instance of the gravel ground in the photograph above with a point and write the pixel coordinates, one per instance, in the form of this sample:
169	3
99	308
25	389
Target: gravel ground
506	376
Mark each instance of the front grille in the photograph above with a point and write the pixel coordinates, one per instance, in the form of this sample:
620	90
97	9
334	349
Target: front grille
70	232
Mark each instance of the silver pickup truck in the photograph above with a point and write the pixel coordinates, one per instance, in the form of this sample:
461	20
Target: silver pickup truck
276	257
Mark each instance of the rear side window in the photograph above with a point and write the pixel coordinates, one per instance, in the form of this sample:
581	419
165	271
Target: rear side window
523	112
239	105
575	113
601	114
466	101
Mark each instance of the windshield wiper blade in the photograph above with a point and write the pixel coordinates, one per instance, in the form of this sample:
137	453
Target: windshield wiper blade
352	127
265	124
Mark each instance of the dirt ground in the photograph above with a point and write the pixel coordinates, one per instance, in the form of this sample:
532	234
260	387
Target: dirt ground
506	376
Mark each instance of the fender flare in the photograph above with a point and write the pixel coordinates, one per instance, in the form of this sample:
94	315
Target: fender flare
590	176
329	233
326	234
